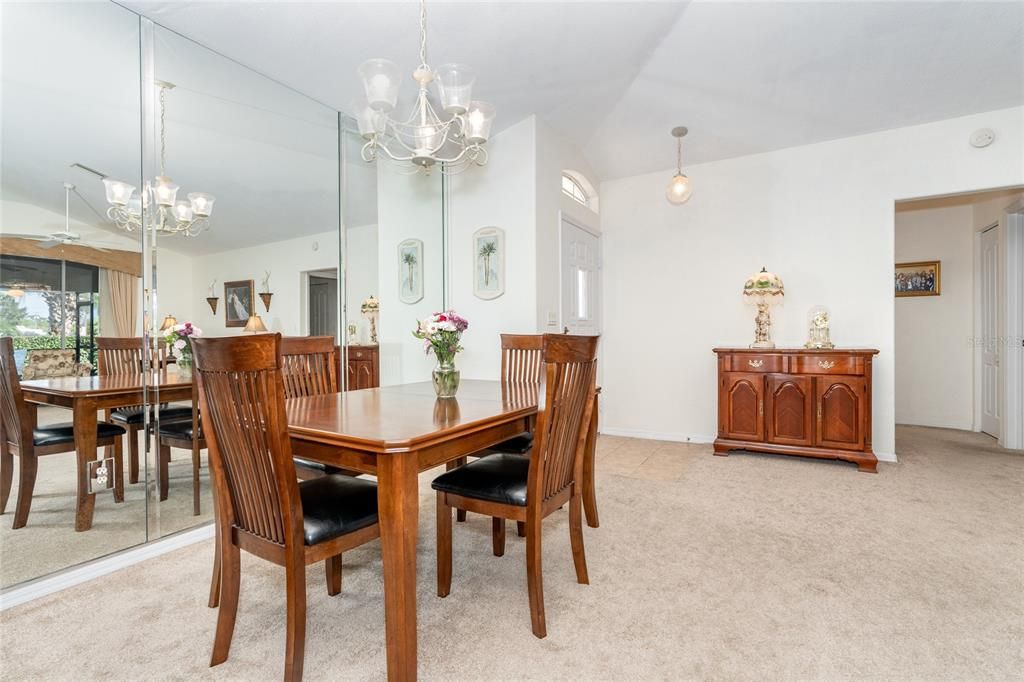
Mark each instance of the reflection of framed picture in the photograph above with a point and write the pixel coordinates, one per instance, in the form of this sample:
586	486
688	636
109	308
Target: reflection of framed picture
238	299
918	279
410	271
489	262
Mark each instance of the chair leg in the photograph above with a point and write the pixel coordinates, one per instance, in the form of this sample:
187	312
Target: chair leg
332	566
444	547
195	480
534	578
214	601
163	467
26	483
498	536
6	473
521	528
229	566
579	557
133	454
295	644
118	470
460	515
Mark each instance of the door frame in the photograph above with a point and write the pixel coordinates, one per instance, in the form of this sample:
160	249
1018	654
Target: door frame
564	217
978	348
1011	305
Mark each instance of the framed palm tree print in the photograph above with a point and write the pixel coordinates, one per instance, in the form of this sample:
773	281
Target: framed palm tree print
489	262
410	271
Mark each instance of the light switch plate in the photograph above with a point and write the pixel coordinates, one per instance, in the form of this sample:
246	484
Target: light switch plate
552	319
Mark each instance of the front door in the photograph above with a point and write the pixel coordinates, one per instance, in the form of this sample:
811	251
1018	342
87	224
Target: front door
581	280
990	388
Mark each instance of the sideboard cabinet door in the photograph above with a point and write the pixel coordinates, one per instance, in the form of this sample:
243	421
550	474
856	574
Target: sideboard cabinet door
789	405
840	404
741	406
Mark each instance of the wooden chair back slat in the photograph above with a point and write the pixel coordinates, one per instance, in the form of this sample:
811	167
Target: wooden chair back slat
522	358
242	394
570	366
117	355
15	418
309	365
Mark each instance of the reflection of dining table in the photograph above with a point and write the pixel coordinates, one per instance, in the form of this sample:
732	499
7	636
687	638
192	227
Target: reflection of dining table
85	396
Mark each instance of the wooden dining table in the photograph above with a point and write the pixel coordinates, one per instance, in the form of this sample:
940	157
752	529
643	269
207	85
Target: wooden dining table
85	396
395	433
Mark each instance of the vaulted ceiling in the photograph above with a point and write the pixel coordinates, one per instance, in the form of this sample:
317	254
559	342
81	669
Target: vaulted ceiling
615	77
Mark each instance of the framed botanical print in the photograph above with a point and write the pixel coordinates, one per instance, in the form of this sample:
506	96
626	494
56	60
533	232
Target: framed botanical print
489	262
238	298
410	271
922	278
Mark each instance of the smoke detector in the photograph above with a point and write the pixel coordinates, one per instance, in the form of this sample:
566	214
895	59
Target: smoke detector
982	137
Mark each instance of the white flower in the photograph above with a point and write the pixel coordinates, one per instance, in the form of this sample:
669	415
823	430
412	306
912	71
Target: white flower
447	326
179	344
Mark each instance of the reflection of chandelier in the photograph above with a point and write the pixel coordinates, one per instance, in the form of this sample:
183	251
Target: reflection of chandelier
424	139
171	217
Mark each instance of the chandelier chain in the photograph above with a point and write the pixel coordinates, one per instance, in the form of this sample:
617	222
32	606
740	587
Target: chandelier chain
679	156
423	33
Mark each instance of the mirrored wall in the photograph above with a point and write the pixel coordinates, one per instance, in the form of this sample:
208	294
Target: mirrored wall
277	225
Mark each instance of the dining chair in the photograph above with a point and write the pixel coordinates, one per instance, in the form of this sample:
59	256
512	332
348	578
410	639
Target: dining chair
21	434
123	355
261	506
187	435
529	488
309	365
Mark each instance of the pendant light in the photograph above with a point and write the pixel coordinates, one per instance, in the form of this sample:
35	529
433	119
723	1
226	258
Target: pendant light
679	188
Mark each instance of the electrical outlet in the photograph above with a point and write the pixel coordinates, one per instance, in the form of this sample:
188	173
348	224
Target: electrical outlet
101	475
552	319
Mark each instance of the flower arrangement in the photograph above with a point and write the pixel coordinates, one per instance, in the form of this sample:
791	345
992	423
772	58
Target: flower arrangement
441	333
179	342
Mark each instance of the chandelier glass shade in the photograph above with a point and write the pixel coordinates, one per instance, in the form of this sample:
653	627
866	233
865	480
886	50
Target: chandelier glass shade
130	208
447	127
679	187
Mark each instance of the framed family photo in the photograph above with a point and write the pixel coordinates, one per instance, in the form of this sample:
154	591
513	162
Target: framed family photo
922	278
238	298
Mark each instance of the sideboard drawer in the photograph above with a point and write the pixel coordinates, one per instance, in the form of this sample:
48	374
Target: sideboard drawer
828	364
748	362
359	353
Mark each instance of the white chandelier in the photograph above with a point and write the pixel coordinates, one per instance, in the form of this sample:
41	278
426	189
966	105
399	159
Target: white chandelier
128	207
424	139
679	187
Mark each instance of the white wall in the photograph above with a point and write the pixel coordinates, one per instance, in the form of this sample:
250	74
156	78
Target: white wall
287	260
500	194
362	256
934	358
821	216
409	207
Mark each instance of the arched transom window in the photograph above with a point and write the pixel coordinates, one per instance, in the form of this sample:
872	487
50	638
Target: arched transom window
574	190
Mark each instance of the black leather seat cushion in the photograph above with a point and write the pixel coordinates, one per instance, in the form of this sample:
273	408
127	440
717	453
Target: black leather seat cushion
519	445
315	466
55	434
179	430
499	478
133	415
336	505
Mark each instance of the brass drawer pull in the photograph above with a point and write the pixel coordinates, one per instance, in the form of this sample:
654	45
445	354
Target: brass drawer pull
755	363
826	364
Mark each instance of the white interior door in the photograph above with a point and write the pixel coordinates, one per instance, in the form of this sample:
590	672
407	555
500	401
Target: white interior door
990	372
581	280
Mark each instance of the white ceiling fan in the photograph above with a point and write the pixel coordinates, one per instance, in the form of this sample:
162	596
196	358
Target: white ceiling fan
66	236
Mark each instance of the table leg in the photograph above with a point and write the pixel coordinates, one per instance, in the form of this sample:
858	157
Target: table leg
85	448
398	505
589	453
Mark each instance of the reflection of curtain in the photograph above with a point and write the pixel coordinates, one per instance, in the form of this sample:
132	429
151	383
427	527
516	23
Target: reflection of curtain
119	303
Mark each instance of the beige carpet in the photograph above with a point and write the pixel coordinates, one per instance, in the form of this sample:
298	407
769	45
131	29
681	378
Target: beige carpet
49	542
747	567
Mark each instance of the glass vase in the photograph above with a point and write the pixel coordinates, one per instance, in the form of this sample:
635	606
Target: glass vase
184	363
446	379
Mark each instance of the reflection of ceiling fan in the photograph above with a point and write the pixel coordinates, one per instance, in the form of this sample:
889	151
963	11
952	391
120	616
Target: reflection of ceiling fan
66	236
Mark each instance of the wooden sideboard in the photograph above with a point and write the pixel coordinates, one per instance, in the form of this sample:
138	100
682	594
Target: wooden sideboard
363	367
812	403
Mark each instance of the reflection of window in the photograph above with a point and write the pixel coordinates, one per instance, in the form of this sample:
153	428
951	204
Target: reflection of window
582	305
573	189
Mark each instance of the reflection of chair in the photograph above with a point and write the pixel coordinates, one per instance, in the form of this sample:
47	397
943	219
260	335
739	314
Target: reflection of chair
19	432
309	366
529	488
261	505
48	364
187	435
123	355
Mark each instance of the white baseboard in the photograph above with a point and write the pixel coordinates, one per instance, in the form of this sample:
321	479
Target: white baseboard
691	438
99	567
656	435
